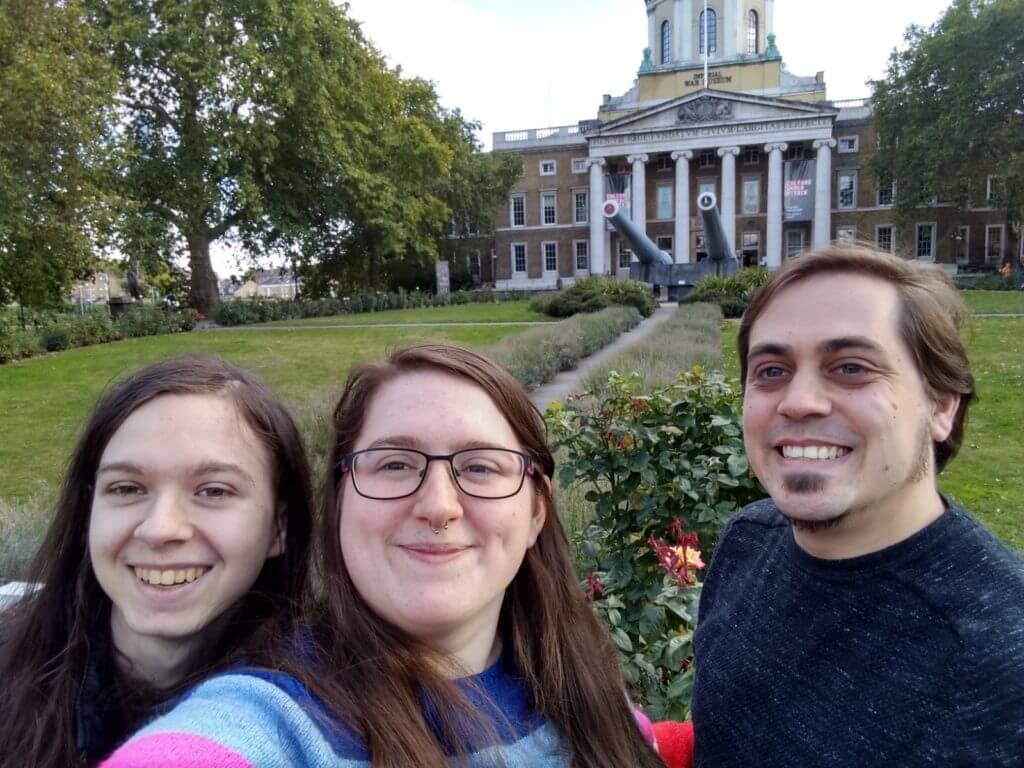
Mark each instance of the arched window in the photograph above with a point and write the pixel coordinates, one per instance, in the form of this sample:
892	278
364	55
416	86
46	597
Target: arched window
712	26
752	32
666	42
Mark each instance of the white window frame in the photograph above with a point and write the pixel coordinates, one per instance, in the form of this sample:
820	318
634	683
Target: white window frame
743	196
785	242
964	230
743	236
701	183
576	208
576	256
623	250
473	258
512	209
579	165
851	234
878	196
841	150
706	159
512	257
892	236
990	182
839	189
751	156
917	237
546	193
671	245
671	202
544	257
554	167
1002	243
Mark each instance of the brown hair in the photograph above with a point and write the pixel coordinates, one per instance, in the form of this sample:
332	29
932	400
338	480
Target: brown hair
931	315
47	638
373	674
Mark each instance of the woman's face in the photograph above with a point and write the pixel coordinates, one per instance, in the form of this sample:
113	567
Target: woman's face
183	518
436	564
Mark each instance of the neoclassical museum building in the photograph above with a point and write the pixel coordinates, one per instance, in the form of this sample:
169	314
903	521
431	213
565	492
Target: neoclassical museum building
788	165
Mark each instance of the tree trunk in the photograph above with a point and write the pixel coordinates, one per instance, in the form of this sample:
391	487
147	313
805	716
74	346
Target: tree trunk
202	293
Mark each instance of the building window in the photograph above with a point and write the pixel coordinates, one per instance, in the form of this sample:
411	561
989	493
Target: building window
751	251
665	244
752	32
518	210
582	256
847	144
579	165
884	239
711	24
886	194
548	167
794	242
474	265
963	245
664	163
846	234
700	247
847	189
707	159
581	206
994	244
666	42
925	242
751	196
549	202
993	189
751	156
625	255
704	187
550	257
665	201
519	258
795	152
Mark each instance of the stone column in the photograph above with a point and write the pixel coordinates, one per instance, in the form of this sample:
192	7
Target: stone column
773	247
681	243
639	191
728	202
822	230
684	29
597	227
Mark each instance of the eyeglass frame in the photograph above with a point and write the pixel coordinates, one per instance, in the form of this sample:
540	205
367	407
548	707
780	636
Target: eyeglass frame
347	463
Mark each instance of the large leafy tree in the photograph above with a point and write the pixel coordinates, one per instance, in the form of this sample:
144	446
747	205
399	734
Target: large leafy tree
56	101
249	119
951	109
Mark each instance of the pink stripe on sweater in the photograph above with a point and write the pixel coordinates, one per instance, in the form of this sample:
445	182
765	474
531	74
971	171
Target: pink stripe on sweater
175	750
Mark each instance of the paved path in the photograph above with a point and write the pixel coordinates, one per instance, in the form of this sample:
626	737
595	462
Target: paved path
318	327
569	381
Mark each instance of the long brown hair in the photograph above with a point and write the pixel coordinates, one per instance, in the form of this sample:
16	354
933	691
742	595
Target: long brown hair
931	315
373	675
47	638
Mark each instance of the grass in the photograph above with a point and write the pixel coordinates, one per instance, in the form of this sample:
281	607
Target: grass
987	476
44	400
994	302
688	338
499	312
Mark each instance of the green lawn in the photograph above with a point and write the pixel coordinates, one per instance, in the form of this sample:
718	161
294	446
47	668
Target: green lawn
44	400
503	312
987	476
998	302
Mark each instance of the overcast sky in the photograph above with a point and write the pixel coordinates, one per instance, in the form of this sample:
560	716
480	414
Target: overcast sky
516	64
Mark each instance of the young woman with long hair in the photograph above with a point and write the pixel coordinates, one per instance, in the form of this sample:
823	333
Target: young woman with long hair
182	529
449	627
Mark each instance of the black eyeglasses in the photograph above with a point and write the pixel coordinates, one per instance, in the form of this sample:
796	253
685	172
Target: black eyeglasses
386	474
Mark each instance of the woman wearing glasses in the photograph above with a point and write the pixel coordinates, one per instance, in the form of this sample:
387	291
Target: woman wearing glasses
451	629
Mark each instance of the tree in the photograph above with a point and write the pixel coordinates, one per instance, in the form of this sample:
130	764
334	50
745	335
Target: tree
56	101
250	119
951	109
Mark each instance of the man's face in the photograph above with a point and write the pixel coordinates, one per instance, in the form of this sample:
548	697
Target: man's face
836	417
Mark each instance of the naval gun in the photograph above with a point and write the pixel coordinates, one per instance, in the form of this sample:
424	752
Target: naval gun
656	268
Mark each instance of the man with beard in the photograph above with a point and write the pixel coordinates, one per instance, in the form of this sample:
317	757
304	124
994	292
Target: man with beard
857	617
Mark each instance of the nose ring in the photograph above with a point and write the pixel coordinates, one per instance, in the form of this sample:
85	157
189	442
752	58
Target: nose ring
437	531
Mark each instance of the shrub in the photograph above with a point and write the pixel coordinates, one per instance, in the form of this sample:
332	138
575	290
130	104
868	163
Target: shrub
731	292
537	355
664	471
989	282
54	338
592	294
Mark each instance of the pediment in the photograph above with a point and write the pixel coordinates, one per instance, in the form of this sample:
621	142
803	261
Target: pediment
709	107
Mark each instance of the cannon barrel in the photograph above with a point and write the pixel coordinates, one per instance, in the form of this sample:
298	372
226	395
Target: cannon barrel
715	241
646	251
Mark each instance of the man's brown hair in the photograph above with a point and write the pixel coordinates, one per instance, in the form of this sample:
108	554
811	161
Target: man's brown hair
931	314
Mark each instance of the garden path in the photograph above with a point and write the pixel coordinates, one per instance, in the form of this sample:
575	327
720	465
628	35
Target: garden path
569	381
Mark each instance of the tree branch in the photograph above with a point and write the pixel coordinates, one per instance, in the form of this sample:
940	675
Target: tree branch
224	226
